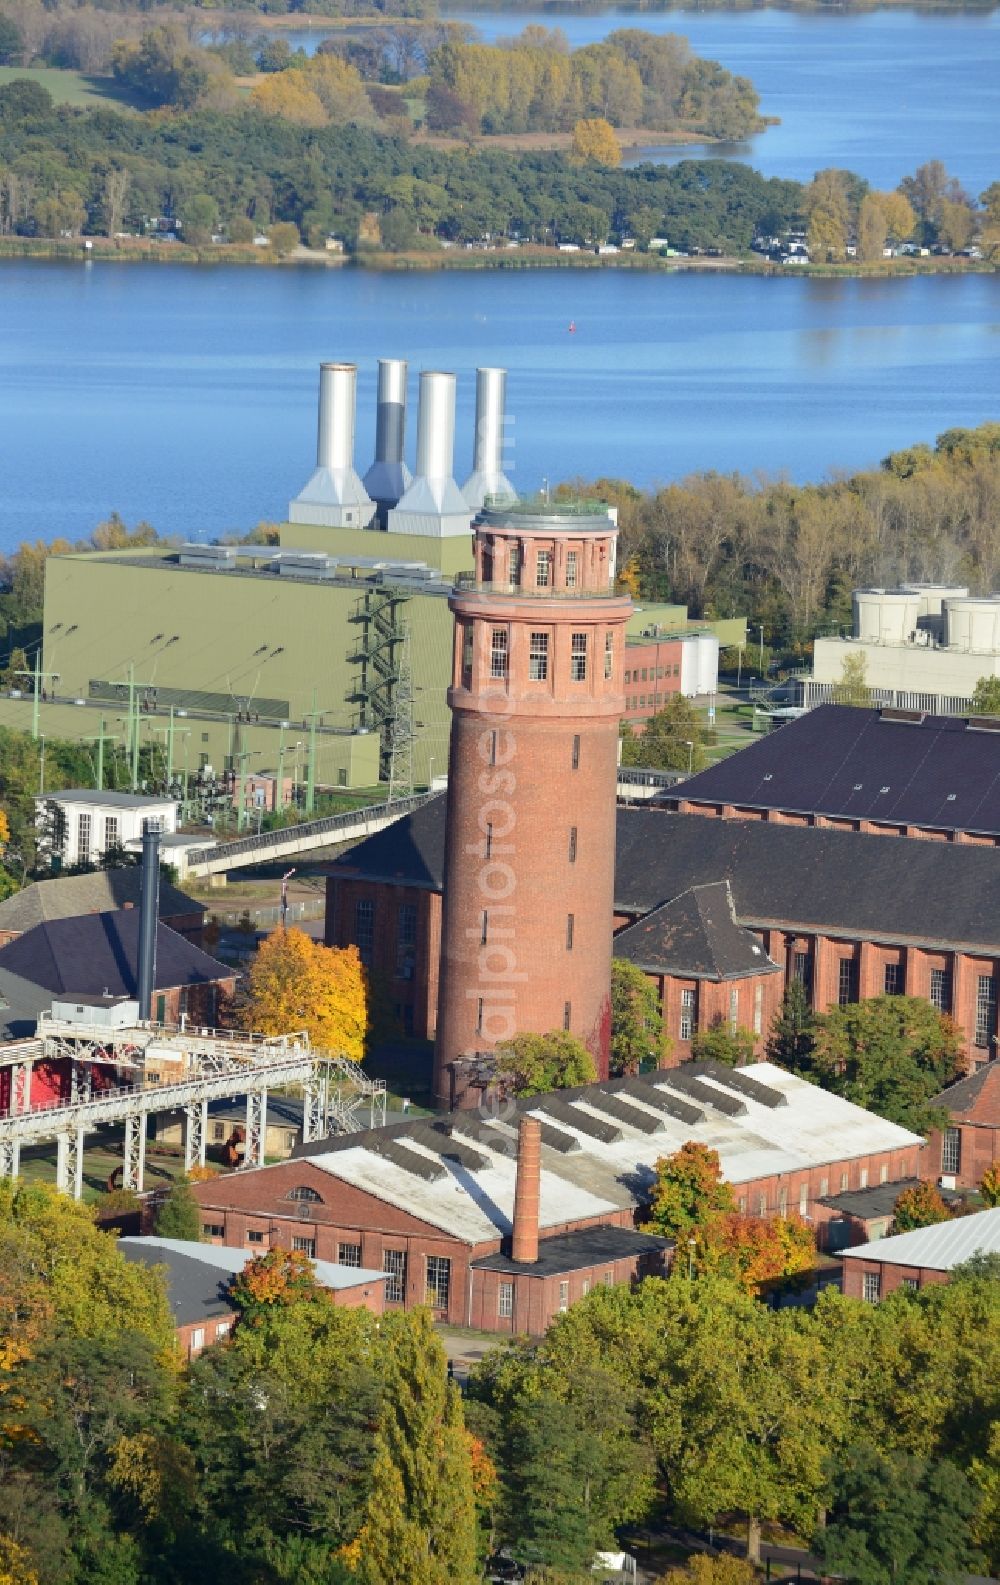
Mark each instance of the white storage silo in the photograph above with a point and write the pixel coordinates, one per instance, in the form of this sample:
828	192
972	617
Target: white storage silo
885	616
972	624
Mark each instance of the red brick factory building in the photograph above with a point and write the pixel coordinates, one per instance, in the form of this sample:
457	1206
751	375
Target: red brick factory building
536	701
445	1208
851	916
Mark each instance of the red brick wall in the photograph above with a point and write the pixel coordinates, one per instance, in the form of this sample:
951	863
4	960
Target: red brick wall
652	675
537	1300
890	1277
413	997
215	1328
713	1005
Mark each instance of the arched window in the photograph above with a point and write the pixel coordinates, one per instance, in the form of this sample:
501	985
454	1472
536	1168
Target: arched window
304	1192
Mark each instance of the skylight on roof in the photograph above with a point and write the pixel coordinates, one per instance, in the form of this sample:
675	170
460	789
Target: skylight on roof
883	789
952	797
857	786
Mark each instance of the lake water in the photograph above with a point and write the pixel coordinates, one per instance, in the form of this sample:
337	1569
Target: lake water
877	93
187	396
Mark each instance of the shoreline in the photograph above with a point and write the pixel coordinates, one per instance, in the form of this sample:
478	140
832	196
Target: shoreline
533	258
311	22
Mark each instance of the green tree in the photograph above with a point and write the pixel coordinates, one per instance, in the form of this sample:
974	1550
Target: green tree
534	1064
688	1193
11	42
200	215
420	1524
986	697
890	1054
853	686
284	238
637	1032
671	739
180	1214
718	1043
895	1518
920	1206
790	1040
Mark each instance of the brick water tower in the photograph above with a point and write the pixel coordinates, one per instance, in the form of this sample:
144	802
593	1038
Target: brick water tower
536	702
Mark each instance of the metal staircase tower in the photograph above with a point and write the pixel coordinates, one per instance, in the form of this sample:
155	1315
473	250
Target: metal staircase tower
380	655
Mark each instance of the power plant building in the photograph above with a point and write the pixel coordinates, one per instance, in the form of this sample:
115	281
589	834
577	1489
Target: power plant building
924	647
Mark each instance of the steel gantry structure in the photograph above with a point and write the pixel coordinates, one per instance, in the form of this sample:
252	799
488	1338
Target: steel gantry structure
210	1064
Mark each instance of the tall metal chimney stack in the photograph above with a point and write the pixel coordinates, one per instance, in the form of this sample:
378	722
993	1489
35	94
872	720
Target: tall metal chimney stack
149	914
388	477
527	1192
334	496
433	505
487	478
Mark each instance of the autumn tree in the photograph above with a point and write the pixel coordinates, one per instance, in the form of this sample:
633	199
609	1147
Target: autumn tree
284	238
295	983
718	1043
889	1054
828	210
920	1206
595	141
688	1192
756	1251
989	1185
288	94
534	1064
706	1570
637	1032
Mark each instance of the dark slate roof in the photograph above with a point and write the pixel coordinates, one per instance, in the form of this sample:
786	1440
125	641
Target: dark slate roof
939	771
21	1003
594	1246
879	1200
412	850
695	935
884	887
975	1098
94	954
196	1291
65	896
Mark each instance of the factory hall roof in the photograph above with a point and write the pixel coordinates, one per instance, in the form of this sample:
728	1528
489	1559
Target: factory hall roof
896	767
563	1252
109	800
879	1200
97	955
695	936
600	1145
974	1099
939	1248
780	875
66	896
198	1275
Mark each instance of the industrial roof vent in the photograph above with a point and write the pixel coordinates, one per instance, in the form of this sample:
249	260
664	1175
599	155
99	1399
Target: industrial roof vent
334	496
389	477
487	479
433	505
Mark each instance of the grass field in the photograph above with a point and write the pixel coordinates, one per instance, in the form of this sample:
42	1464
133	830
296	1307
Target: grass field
70	88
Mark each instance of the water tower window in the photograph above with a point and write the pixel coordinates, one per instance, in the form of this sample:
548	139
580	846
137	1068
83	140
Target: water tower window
498	652
576	751
538	657
543	569
571	569
578	658
609	655
467	643
515	563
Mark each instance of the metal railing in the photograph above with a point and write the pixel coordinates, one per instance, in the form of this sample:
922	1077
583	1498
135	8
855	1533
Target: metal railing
268	840
468	583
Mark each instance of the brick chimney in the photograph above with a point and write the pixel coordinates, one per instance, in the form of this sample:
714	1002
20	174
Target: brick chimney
527	1187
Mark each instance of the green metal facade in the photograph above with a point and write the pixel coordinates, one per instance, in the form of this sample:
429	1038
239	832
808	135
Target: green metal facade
222	645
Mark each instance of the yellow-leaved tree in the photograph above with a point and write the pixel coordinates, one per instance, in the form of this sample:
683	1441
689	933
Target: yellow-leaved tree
595	140
290	96
297	983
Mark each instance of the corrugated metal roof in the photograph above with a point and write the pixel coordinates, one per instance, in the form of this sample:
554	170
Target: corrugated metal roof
810	1129
939	1248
